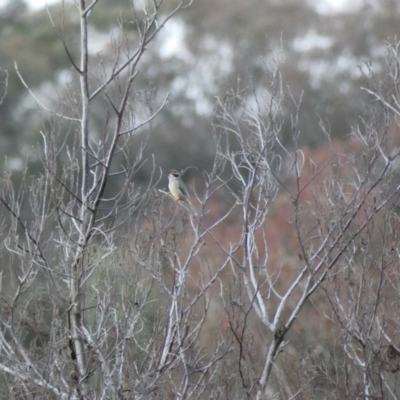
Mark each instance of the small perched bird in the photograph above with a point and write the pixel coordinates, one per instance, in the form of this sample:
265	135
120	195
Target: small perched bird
177	188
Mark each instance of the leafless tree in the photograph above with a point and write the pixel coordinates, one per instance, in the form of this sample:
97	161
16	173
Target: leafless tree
363	287
77	316
343	211
111	294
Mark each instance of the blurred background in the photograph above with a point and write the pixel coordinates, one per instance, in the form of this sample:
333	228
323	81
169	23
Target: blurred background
324	48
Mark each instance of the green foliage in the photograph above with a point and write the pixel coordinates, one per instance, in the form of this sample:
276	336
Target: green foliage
250	33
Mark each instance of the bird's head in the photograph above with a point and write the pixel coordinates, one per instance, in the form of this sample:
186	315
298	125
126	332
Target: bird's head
174	173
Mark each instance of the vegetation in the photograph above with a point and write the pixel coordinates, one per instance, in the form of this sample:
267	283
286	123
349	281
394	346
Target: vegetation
283	284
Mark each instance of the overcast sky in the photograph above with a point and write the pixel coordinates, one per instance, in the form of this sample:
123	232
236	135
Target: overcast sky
323	6
34	4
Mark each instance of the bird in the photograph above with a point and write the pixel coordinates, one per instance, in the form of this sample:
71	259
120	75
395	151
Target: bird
177	188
